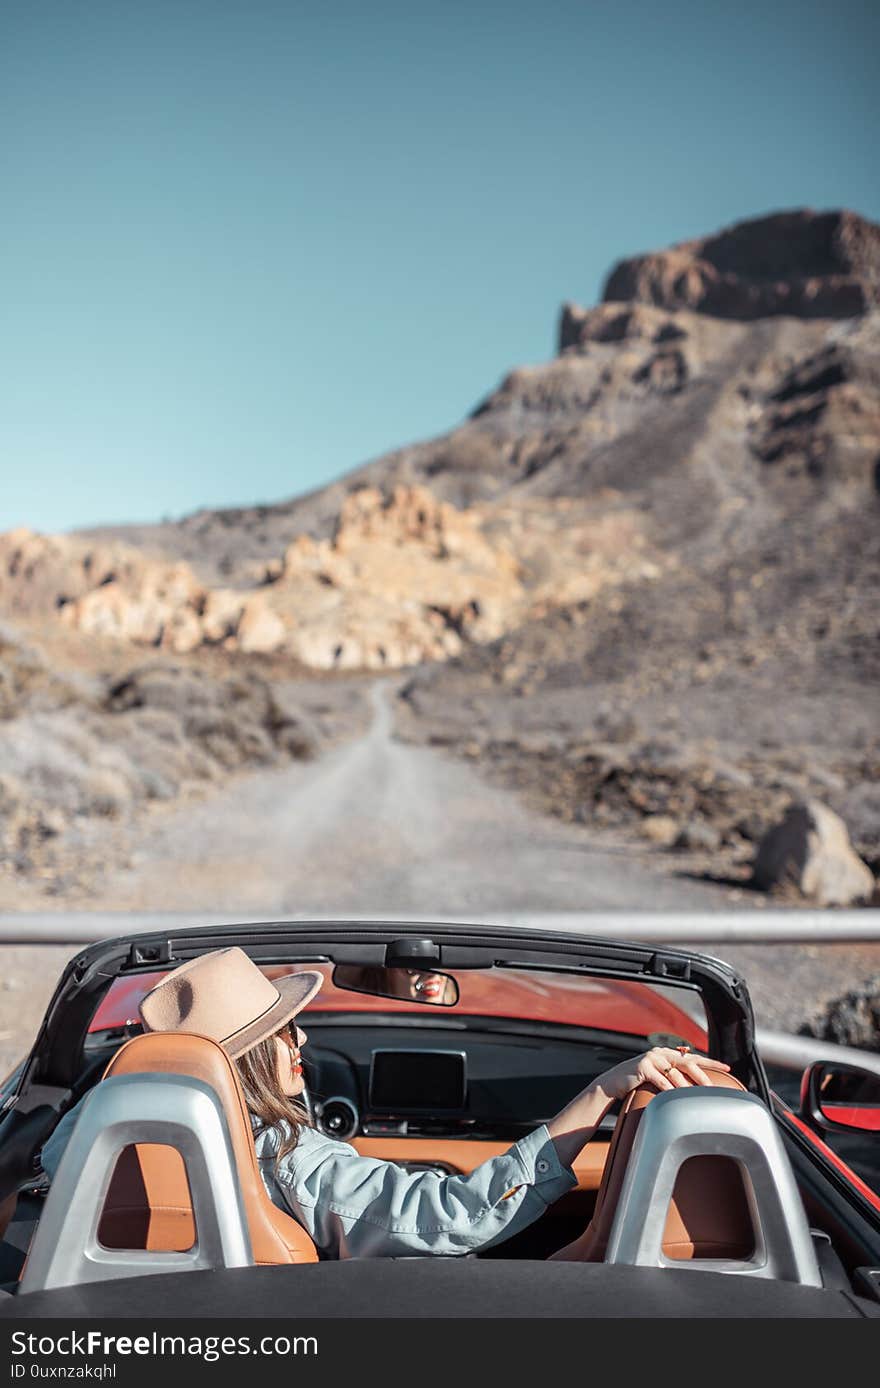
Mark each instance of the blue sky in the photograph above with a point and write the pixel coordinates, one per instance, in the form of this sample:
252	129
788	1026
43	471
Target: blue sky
249	244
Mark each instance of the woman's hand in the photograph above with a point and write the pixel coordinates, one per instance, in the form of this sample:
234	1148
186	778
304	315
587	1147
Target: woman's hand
662	1066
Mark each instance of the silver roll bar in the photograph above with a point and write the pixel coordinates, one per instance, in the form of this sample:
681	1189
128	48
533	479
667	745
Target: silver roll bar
699	1122
174	1110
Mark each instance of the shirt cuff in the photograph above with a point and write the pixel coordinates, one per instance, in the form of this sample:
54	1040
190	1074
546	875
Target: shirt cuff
540	1163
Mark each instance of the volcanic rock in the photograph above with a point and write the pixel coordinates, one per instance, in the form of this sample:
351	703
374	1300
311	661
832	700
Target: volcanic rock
850	1020
811	849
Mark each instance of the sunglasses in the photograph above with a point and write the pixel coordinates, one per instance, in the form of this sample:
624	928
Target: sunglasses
288	1034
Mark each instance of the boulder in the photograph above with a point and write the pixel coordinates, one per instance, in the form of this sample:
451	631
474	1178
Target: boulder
660	829
850	1020
810	848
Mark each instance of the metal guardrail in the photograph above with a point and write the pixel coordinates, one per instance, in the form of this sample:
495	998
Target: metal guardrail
797	1052
771	925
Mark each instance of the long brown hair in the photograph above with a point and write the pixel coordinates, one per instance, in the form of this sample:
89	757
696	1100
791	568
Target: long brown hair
266	1100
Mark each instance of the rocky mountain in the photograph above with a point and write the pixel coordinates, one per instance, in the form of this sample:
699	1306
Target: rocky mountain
660	437
694	709
639	582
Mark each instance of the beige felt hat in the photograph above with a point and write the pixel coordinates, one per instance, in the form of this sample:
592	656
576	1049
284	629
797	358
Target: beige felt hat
223	995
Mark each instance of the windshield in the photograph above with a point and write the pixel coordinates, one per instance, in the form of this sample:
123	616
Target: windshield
531	995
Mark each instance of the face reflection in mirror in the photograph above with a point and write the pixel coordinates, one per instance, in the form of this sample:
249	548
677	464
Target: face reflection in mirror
420	985
429	987
412	985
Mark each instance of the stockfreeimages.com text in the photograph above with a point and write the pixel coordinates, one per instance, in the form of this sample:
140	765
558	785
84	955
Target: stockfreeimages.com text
208	1347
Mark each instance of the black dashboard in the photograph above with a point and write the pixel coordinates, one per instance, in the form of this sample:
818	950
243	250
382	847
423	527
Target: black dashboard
411	1080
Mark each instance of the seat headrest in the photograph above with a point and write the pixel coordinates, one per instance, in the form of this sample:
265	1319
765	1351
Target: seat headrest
179	1053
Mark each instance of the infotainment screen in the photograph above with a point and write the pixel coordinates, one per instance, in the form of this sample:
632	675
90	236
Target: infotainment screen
402	1080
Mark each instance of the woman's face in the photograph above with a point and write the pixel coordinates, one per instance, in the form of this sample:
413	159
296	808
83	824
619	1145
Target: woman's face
289	1042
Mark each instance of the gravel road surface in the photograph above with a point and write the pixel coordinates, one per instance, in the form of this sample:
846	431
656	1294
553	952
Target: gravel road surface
380	826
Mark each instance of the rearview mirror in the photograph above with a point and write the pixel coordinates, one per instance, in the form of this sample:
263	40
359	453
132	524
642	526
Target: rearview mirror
841	1097
412	985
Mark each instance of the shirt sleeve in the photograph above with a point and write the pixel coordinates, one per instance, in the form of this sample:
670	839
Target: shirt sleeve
361	1207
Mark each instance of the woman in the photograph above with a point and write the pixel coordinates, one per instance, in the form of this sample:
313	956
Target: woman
351	1205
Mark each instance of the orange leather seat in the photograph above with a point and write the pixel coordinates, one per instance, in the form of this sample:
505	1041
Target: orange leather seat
148	1202
708	1214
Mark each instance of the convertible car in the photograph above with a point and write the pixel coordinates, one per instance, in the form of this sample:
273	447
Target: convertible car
434	1046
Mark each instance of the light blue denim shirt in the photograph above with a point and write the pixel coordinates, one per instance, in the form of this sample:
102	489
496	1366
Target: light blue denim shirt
362	1207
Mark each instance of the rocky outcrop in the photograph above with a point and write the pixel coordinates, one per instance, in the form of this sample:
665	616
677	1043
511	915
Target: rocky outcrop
111	591
403	580
811	850
613	322
803	264
821	417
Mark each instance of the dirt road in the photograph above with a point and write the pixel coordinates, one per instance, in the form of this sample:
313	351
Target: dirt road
379	826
